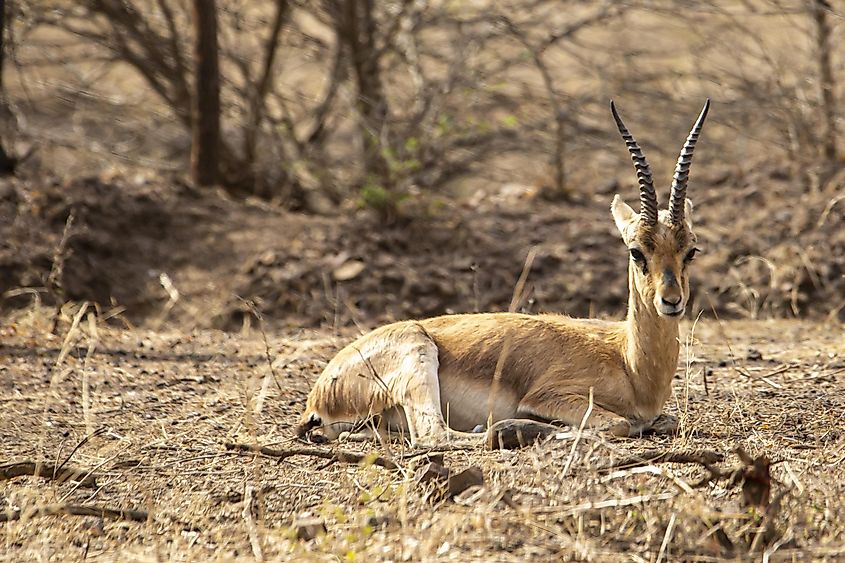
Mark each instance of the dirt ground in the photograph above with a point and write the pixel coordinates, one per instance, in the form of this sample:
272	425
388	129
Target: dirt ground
160	407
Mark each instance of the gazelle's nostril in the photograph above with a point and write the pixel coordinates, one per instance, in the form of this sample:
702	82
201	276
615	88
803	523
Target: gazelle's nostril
671	303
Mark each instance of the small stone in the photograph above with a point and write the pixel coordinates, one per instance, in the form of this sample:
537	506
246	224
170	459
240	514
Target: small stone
469	477
308	527
348	270
422	460
432	473
447	484
94	526
377	521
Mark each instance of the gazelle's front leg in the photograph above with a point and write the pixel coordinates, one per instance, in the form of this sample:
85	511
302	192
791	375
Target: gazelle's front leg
570	408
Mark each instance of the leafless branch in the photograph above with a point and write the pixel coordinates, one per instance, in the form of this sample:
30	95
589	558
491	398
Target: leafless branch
341	456
48	471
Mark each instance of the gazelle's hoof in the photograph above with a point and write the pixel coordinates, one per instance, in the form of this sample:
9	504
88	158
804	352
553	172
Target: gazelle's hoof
357	437
663	424
314	438
514	433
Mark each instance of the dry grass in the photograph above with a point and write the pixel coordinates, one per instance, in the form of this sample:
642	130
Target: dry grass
166	405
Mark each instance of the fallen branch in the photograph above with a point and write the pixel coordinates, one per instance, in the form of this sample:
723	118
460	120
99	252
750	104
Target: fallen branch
76	510
432	451
704	457
341	456
598	505
48	471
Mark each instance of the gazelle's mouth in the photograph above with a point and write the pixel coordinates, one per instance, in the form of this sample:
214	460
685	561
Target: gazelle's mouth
667	312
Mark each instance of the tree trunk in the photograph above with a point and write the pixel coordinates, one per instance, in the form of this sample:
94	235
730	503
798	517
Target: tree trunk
826	83
205	109
356	30
7	162
262	87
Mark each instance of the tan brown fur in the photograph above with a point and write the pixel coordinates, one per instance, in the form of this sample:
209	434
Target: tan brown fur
475	369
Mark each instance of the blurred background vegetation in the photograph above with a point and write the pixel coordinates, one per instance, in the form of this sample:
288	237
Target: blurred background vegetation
425	108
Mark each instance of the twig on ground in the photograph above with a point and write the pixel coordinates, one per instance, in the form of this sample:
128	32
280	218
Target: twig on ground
823	374
779	370
446	448
98	432
648	470
252	529
578	435
93	341
667	537
267	354
704	457
598	505
173	296
341	456
48	471
76	510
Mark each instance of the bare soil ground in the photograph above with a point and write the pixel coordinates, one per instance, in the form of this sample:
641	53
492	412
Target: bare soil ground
163	406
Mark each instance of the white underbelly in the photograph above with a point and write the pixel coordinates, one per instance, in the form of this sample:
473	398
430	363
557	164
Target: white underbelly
466	405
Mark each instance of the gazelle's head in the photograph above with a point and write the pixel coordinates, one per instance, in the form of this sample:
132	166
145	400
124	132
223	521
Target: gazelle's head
661	243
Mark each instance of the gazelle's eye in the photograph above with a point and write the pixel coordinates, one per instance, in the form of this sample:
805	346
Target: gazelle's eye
638	256
639	259
691	255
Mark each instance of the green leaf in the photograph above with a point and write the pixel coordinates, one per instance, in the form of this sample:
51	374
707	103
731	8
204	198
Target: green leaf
510	121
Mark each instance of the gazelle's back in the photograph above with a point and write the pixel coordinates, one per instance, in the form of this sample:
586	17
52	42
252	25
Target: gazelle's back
523	346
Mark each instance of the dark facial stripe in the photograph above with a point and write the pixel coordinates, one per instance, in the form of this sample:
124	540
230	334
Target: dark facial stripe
669	279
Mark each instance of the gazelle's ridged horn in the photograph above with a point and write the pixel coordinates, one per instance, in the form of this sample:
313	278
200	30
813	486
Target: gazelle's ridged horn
648	197
679	180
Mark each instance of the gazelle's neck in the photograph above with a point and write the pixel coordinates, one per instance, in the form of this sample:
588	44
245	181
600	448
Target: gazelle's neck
652	347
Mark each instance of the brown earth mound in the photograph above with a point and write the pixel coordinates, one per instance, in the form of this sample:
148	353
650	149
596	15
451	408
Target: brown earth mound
123	232
459	261
771	248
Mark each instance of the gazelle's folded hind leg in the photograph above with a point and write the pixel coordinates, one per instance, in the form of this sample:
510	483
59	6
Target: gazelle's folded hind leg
389	424
392	373
416	389
371	430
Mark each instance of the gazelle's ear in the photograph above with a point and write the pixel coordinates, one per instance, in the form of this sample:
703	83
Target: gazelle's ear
688	213
623	215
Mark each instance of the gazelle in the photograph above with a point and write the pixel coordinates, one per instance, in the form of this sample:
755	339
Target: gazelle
468	369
